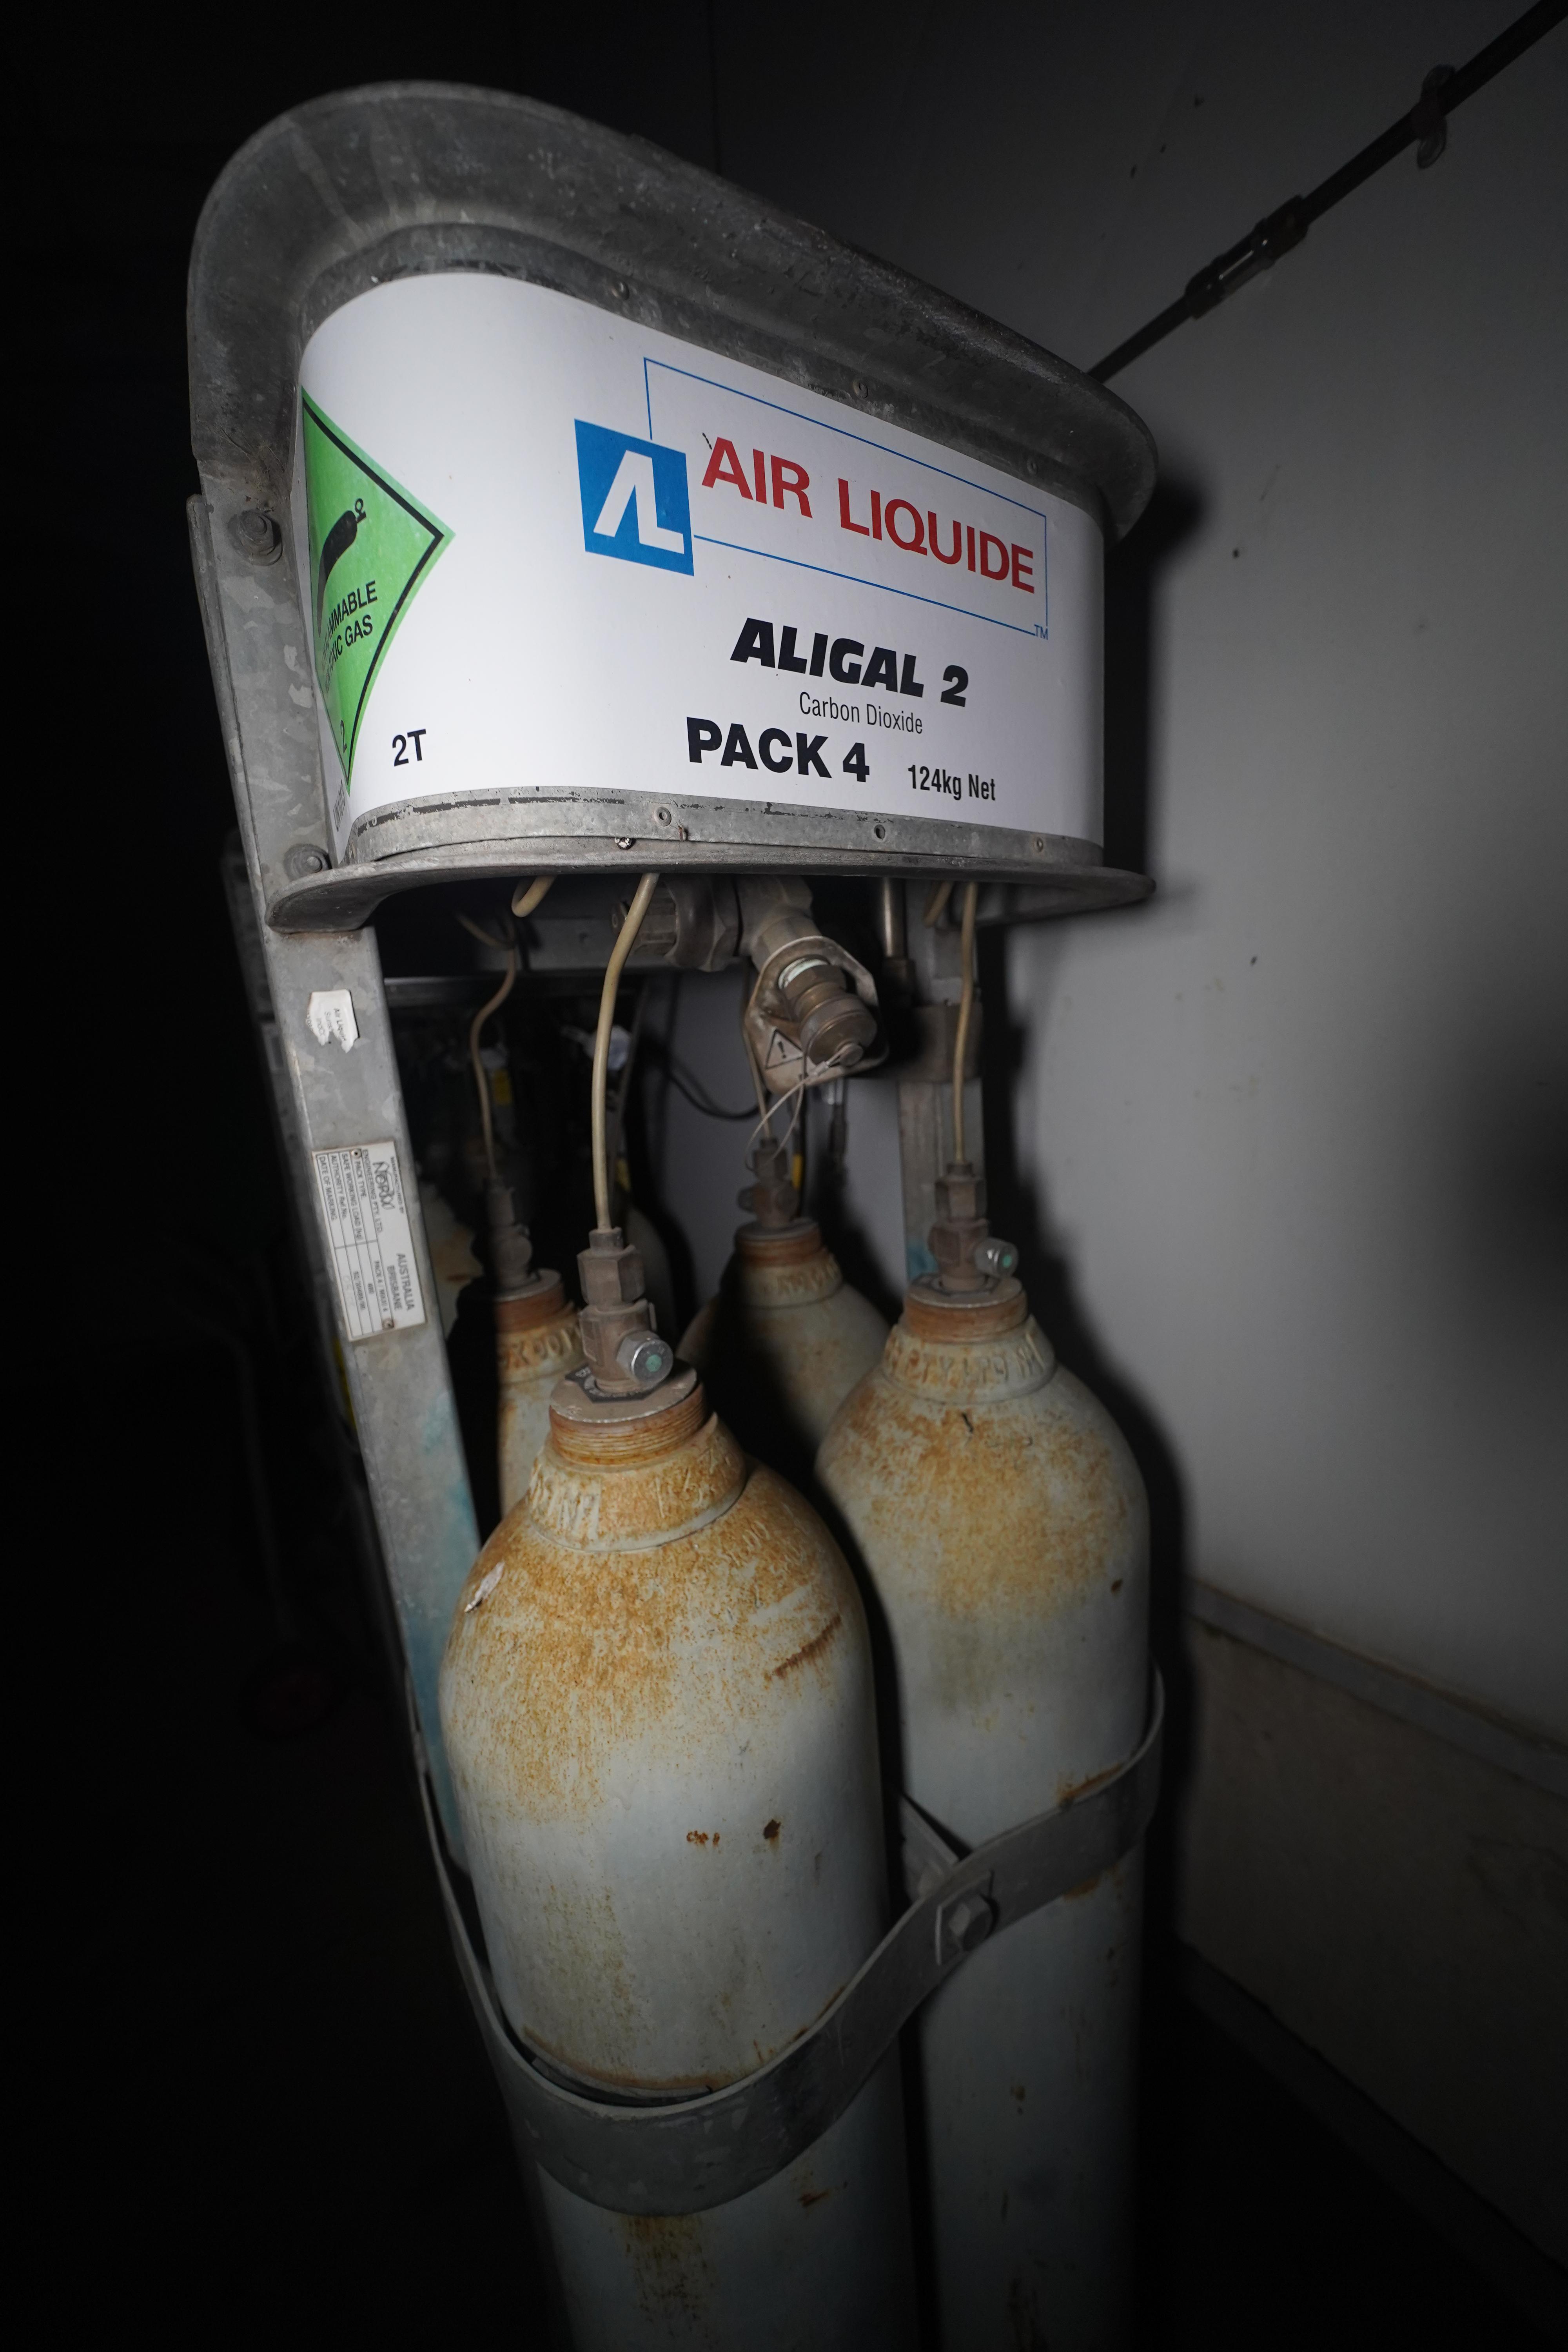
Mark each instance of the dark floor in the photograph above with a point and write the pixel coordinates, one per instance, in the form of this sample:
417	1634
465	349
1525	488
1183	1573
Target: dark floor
304	2140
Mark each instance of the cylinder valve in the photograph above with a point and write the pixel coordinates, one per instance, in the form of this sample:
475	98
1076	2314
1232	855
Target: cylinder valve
626	1355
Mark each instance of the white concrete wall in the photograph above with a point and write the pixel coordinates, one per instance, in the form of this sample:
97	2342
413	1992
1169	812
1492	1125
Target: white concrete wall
1297	1128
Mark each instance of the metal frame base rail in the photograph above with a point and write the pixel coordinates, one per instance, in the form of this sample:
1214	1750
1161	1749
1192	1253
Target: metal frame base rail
684	2158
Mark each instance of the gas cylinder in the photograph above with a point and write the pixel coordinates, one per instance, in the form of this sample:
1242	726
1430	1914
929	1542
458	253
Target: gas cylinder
537	1343
657	1706
1000	1522
785	1339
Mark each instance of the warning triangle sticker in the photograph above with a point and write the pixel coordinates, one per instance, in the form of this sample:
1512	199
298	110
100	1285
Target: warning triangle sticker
372	543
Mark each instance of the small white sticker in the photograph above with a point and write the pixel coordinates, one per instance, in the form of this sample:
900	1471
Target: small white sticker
368	1238
482	1590
331	1014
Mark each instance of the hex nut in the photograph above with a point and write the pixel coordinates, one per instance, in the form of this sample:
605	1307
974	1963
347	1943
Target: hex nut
612	1274
771	1204
257	536
961	1191
960	1195
955	1244
965	1922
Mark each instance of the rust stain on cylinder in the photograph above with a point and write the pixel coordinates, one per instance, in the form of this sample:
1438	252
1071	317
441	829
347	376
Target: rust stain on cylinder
1068	1791
623	1445
675	2282
620	1488
950	1325
758	1247
525	1310
1048	1480
807	1651
589	1637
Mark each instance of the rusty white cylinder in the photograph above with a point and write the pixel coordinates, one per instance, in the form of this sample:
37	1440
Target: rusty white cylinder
537	1345
1002	1523
783	1342
657	1704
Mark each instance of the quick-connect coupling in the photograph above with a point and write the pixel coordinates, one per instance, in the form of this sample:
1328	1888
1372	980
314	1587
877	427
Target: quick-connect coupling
833	1025
807	983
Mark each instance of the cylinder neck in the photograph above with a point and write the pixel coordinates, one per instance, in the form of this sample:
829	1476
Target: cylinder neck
615	1433
790	1245
631	1485
524	1311
988	1352
771	1198
956	1317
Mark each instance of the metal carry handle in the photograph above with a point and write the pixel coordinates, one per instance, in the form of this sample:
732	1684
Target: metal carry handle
687	2155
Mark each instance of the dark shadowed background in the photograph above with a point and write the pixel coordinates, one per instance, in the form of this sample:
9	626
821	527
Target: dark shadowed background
288	2127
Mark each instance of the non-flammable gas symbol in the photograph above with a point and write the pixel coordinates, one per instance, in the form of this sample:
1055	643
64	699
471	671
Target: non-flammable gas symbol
372	544
634	501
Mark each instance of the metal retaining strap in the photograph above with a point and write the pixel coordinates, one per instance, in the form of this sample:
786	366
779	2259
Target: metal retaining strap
694	2153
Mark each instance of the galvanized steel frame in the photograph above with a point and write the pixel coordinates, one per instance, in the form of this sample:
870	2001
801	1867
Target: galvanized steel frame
399	1383
323	204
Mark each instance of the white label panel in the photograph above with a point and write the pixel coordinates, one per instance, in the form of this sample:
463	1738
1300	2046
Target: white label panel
368	1241
666	572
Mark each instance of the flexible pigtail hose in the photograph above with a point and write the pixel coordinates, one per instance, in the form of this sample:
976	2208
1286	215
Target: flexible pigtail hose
965	1014
625	940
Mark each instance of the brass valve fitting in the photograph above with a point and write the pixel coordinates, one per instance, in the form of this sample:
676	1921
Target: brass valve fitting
626	1355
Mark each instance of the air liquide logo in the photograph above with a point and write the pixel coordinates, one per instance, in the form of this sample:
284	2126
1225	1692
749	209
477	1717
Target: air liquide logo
634	502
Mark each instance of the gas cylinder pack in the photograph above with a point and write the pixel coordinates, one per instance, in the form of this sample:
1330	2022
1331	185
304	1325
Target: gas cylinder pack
622	598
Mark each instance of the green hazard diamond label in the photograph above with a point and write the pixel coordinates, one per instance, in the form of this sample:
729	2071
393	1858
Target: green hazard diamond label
372	543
